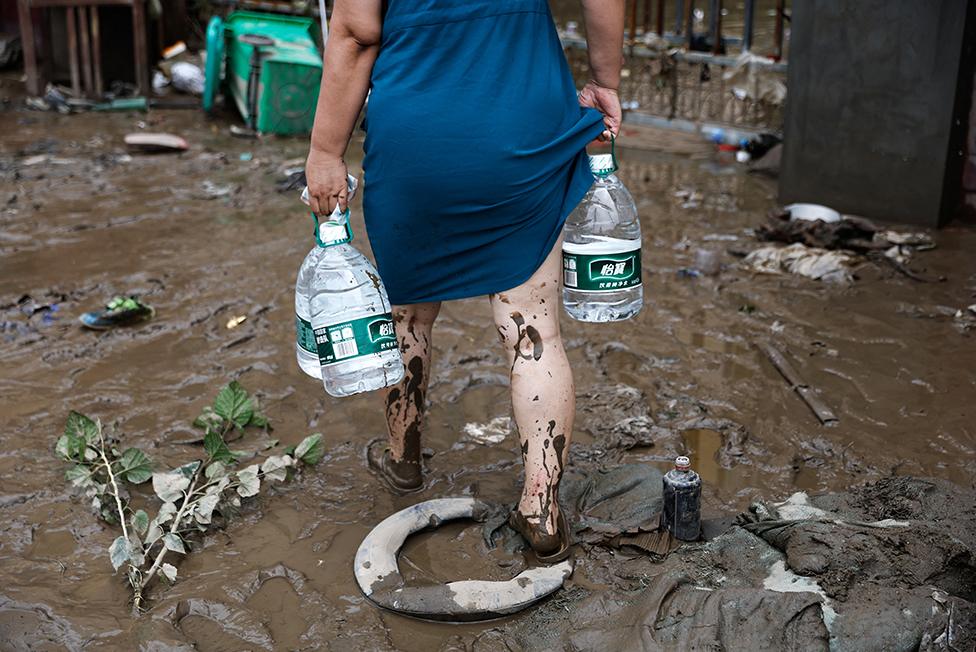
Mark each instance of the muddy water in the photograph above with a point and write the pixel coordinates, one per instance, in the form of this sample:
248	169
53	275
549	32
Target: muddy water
885	354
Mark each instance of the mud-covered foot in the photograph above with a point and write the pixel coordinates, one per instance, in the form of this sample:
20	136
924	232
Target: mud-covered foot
401	477
549	547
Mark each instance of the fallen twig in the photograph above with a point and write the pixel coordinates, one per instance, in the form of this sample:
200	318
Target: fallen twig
798	385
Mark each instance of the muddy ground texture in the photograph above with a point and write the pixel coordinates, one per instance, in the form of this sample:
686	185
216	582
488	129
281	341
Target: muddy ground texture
205	237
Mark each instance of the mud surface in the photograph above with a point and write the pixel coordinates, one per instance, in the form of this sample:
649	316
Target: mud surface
89	222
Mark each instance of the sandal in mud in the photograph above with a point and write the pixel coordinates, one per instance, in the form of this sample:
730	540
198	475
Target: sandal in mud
379	462
120	311
548	548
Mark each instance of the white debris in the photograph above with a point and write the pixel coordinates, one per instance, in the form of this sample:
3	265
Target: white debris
783	580
812	262
493	432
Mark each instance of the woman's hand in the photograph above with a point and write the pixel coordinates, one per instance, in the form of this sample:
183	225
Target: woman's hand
327	184
606	101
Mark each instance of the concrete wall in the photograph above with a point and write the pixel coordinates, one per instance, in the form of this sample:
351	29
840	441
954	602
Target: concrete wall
874	99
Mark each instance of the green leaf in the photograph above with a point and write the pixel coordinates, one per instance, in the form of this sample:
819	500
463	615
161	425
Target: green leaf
216	449
153	533
174	543
118	552
258	420
215	470
166	512
140	522
136	556
78	425
204	509
78	476
136	466
233	404
168	571
249	483
170	486
271	444
71	447
188	469
311	450
209	420
275	468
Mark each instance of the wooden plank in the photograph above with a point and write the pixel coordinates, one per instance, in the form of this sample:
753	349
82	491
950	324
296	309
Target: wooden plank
139	44
70	18
86	71
27	43
96	52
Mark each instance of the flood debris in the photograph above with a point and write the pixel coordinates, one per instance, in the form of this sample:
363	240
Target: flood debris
811	262
889	565
195	496
379	578
493	432
119	311
798	385
156	142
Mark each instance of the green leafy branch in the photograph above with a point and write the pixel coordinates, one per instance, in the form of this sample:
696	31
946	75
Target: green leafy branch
192	494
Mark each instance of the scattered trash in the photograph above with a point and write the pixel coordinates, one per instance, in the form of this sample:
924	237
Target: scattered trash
174	50
120	311
242	132
687	272
246	156
159	82
187	77
39	159
681	514
10	49
123	104
54	99
493	432
812	212
812	262
708	261
798	385
212	190
150	142
752	77
234	322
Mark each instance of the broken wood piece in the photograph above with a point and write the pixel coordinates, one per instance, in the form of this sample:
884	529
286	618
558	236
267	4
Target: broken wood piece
146	142
798	385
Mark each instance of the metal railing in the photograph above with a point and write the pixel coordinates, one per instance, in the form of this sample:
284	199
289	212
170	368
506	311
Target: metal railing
685	77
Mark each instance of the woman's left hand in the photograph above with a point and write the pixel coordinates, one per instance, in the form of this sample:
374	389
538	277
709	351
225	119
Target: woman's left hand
606	101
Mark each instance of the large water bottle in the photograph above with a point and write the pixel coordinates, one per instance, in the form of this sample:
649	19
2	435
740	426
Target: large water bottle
305	349
602	250
349	314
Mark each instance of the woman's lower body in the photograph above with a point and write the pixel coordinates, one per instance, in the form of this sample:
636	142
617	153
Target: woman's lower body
543	395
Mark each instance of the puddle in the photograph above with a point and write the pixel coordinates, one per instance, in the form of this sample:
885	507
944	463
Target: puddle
200	262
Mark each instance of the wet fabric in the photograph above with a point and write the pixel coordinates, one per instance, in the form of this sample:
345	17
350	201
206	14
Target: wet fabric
474	148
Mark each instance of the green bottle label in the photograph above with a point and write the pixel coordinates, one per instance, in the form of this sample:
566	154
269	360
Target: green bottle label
304	335
355	339
602	272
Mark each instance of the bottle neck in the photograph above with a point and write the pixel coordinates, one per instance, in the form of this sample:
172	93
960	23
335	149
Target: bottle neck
333	232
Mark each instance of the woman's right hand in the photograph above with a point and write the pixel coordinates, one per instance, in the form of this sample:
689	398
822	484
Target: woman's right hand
327	184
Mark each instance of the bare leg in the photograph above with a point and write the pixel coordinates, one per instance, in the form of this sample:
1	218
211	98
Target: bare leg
405	402
543	395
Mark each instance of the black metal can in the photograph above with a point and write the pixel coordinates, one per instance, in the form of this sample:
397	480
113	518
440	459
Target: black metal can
682	501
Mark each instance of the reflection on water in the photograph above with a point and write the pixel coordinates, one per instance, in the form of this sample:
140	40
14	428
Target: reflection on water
702	445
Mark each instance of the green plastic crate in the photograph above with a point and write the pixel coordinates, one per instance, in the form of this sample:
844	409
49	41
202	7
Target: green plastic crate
291	70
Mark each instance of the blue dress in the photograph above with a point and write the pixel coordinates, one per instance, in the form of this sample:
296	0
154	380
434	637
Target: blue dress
474	146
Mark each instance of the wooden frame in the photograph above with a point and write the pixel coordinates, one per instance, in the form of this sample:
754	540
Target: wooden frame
88	39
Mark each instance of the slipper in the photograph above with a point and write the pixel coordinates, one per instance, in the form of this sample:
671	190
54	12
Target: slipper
379	462
548	548
120	311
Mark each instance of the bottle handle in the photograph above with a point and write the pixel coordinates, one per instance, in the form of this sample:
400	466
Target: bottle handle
613	152
315	219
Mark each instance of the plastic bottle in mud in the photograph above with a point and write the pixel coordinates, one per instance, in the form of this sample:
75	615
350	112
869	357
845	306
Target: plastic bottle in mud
349	314
682	501
602	251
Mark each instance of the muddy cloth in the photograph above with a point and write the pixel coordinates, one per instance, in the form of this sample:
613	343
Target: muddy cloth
607	503
474	146
888	566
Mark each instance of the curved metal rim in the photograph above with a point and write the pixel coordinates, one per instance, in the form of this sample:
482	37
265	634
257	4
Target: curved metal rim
378	575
